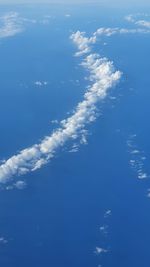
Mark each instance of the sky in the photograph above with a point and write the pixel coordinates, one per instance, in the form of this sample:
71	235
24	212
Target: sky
103	2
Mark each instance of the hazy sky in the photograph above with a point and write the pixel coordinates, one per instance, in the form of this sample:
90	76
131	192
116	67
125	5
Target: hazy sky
104	2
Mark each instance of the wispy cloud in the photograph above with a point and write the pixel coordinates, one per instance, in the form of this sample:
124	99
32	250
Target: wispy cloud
139	22
11	25
112	31
103	77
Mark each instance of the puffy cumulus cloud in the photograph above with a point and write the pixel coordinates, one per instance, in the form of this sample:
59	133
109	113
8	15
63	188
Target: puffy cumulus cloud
103	77
82	42
11	25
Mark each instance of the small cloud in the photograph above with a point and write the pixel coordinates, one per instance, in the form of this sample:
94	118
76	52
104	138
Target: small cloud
3	241
67	15
74	149
44	21
54	121
20	185
40	83
142	175
135	151
104	229
107	214
148	193
130	18
99	250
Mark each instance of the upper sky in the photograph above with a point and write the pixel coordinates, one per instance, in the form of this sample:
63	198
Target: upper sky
104	2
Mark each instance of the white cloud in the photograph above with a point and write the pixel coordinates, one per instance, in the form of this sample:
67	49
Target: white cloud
103	77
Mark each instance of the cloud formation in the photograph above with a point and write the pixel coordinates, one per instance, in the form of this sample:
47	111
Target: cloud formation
103	77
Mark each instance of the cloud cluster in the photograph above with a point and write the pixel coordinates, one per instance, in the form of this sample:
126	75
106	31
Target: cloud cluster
103	77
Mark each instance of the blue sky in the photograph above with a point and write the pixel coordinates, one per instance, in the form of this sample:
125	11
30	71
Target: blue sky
103	2
76	199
